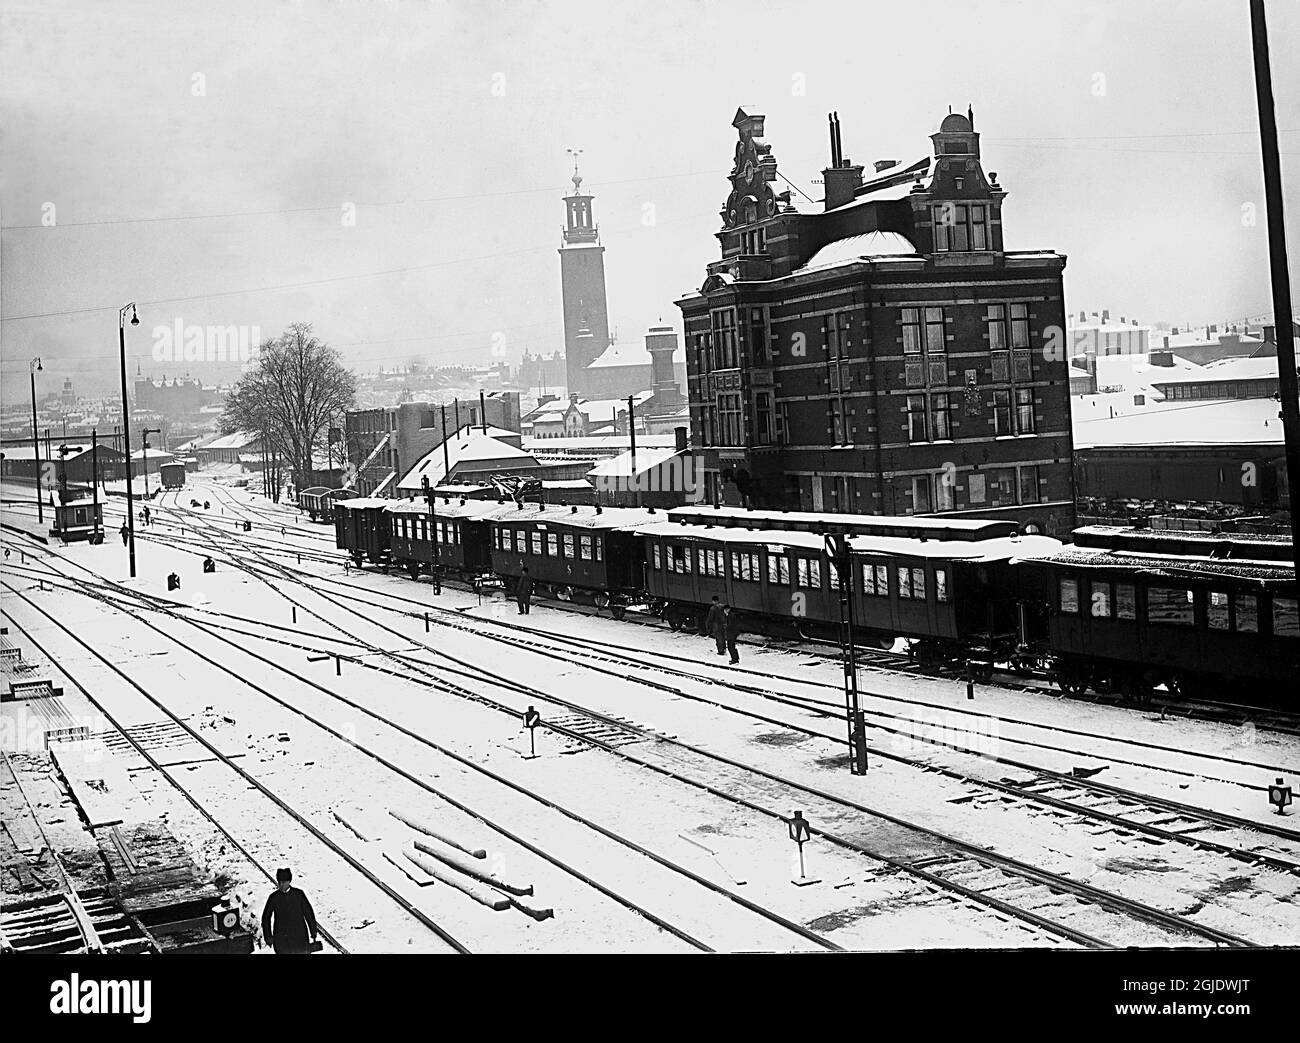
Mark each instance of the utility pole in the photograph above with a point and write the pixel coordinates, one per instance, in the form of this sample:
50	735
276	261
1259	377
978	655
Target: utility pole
631	430
1278	269
446	460
94	482
482	409
32	367
126	428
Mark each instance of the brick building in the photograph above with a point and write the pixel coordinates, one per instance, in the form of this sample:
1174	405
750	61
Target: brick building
882	354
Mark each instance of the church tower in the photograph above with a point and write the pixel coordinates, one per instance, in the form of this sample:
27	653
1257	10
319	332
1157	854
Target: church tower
582	277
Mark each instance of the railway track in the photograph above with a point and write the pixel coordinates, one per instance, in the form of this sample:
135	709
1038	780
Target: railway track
711	887
293	822
1176	927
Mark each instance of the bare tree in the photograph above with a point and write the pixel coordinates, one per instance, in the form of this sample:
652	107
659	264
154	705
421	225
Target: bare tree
298	385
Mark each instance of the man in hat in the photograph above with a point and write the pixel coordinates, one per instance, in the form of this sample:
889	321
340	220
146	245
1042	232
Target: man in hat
288	923
524	591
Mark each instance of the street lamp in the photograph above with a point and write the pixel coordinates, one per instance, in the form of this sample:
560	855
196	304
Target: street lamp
32	367
126	427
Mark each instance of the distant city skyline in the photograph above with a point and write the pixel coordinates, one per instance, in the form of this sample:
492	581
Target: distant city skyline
402	191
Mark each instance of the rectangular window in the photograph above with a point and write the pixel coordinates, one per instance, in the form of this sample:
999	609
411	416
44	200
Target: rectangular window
918	584
1029	483
1022	368
904	582
1020	325
553	544
978	238
598	542
937	375
584	542
1101	602
921	503
1002	486
1002	413
568	545
934	331
1125	601
778	569
763	430
535	538
995	317
655	558
1217	610
911	331
724	338
1070	596
959	233
1170	605
1245	608
939	407
837	334
941	219
941	585
1001	367
833	575
916	426
808	572
1024	411
1286	622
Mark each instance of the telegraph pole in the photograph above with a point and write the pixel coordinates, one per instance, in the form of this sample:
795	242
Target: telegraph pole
1286	370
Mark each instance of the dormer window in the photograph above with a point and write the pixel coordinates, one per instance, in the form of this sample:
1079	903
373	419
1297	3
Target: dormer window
960	182
960	226
753	241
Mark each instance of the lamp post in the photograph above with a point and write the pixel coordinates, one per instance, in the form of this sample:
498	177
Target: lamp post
126	427
32	367
837	551
433	524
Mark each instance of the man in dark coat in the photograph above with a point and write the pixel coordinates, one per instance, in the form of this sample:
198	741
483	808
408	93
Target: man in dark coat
715	625
294	927
733	631
125	533
524	592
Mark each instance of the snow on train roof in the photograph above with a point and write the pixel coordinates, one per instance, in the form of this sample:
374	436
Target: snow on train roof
362	502
998	549
578	516
1172	566
452	507
872	521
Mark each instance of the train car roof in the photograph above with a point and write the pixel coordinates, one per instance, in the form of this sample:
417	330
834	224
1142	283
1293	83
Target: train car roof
445	508
1174	566
885	546
1238	546
940	528
360	503
579	516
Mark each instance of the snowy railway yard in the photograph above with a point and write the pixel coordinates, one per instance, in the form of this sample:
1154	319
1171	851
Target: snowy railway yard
288	709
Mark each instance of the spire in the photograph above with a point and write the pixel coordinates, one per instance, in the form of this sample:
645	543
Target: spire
577	178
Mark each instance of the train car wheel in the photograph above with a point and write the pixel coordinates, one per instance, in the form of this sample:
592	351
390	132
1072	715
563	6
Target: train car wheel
619	612
413	567
984	672
673	618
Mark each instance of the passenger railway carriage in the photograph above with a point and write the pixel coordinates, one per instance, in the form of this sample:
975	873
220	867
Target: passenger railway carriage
1120	609
590	554
319	501
1203	614
463	545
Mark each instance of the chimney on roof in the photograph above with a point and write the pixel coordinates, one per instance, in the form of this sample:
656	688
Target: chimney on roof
1105	316
841	179
680	438
1166	344
1175	331
1161	358
1122	321
1083	316
1270	334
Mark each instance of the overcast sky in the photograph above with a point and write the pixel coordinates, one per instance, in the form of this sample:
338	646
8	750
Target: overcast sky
199	156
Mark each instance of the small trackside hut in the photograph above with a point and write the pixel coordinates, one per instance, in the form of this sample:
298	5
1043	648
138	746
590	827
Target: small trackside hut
574	553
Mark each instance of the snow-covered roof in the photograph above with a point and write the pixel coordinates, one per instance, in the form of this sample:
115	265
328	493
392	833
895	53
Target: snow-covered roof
621	466
579	516
1249	421
152	454
607	409
446	507
471	446
358	503
27	452
919	523
606	442
1246	368
621	355
857	247
238	440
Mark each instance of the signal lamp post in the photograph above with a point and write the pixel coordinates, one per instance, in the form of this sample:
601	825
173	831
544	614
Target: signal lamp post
436	568
126	428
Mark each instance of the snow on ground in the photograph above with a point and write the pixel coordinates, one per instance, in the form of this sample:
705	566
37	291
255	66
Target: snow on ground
857	905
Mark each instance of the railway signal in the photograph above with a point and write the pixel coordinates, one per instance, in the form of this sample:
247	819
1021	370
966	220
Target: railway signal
837	551
531	720
1279	796
800	833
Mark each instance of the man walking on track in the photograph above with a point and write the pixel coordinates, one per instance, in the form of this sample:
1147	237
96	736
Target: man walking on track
125	533
733	630
288	923
524	592
715	625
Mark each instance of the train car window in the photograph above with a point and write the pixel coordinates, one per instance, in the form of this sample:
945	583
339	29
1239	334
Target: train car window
455	534
1245	608
584	543
1286	621
868	580
1217	610
1170	605
941	585
702	562
718	563
778	569
833	575
918	584
808	573
904	582
654	556
568	545
1125	601
1070	596
882	580
553	544
679	559
1101	600
536	542
599	543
